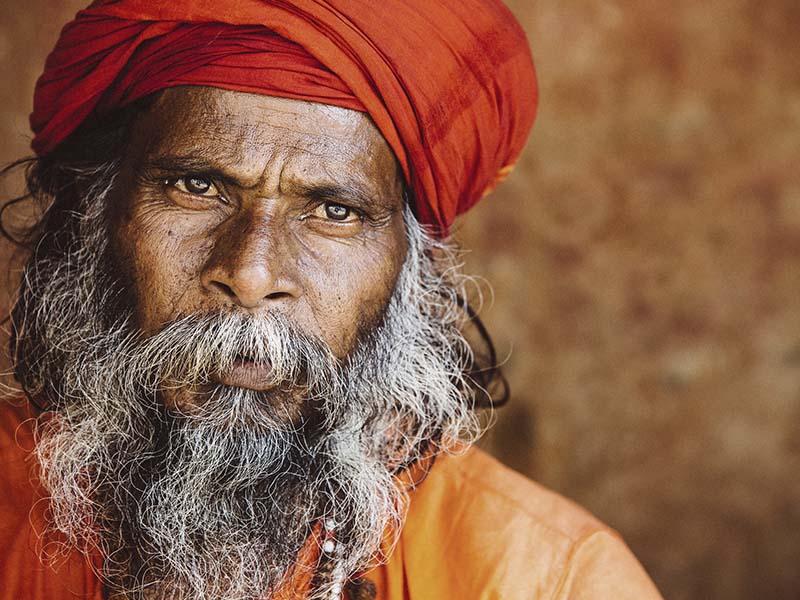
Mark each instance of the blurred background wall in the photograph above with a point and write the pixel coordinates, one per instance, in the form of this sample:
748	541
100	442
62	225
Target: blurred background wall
645	258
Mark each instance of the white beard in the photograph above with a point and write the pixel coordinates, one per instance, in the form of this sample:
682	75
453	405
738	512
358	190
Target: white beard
217	503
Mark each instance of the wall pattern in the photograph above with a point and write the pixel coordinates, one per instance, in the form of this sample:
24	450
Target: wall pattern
645	260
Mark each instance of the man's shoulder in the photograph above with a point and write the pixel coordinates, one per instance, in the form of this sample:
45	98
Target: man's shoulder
16	439
16	446
478	486
16	424
477	529
23	572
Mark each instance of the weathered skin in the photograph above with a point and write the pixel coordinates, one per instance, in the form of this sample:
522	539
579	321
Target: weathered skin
230	200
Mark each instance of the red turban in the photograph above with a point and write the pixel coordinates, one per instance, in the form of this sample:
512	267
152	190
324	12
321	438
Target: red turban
449	83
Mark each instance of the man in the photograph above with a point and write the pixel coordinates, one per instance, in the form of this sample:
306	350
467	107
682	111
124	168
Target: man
242	337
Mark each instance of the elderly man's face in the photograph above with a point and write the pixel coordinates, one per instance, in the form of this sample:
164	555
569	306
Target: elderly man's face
299	331
252	203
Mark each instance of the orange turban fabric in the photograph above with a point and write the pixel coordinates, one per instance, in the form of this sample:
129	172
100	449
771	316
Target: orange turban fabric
449	83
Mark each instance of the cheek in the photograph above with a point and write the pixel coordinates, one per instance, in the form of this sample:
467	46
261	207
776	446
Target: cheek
351	292
163	265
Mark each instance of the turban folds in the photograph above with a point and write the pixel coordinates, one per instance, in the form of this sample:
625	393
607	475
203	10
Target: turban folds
449	83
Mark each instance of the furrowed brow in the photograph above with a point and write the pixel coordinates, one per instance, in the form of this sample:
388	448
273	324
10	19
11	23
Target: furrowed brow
180	165
348	194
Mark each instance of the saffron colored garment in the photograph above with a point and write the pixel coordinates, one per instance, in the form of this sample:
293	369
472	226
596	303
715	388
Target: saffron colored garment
475	531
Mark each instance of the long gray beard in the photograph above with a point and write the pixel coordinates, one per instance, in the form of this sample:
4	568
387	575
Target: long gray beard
217	501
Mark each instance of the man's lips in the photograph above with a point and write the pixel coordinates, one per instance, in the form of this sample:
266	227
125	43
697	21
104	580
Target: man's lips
248	374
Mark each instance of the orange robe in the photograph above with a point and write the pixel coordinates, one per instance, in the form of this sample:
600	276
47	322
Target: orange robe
475	531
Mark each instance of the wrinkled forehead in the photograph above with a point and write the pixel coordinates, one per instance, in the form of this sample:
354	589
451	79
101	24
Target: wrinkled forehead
249	133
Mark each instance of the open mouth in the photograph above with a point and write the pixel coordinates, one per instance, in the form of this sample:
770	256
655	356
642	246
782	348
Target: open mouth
246	373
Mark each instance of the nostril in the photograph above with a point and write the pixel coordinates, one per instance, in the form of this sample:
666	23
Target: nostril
246	285
224	288
278	296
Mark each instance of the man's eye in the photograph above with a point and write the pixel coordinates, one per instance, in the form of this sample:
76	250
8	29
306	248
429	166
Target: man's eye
197	186
336	212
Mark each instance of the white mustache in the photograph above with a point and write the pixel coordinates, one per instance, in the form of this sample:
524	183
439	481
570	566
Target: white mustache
194	349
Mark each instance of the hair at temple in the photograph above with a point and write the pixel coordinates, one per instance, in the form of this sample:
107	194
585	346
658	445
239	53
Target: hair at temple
55	184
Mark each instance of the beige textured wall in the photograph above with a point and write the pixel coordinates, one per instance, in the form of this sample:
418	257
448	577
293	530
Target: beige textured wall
646	262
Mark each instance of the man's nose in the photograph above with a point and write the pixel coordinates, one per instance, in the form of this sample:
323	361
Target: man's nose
251	263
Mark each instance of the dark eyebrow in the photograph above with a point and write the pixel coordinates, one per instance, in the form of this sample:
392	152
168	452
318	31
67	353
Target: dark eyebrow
318	192
188	165
328	192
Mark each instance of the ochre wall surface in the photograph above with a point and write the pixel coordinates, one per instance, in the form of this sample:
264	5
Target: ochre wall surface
645	258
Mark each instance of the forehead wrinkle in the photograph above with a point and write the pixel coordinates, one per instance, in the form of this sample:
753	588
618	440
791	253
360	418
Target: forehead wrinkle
269	137
258	154
236	153
320	185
